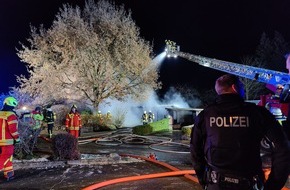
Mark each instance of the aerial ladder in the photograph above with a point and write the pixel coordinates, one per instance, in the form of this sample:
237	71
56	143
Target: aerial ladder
276	79
267	76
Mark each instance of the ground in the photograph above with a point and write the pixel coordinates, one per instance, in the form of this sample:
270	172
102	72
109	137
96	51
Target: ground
105	160
102	162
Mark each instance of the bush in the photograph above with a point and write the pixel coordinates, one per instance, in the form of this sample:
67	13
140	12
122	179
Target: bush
155	127
102	122
142	129
65	147
119	118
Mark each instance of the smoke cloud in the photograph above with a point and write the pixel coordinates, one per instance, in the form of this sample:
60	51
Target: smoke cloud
133	110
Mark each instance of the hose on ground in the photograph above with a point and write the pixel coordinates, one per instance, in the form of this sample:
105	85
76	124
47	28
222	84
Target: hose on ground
134	178
153	146
175	172
162	164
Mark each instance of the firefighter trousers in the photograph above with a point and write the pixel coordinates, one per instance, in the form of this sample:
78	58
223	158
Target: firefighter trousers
6	157
74	133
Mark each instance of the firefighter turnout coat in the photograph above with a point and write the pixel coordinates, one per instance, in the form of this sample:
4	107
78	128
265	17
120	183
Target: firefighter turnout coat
73	123
226	138
9	128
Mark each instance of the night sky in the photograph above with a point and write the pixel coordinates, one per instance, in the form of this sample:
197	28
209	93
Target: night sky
221	29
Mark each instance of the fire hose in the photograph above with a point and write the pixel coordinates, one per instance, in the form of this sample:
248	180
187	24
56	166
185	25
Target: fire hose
175	172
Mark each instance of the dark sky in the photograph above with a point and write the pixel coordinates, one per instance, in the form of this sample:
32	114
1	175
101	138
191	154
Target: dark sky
221	29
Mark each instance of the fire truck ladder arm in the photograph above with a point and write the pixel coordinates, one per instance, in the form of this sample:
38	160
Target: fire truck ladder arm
254	73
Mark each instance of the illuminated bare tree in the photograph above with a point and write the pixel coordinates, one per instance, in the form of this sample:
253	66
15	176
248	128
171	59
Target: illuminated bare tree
89	54
269	55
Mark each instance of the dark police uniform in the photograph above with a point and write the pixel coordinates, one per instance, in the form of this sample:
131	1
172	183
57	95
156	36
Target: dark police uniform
225	145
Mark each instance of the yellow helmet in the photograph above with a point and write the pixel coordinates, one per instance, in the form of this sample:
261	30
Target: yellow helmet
10	101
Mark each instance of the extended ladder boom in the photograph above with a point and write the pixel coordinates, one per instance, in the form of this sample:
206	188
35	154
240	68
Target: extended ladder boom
250	72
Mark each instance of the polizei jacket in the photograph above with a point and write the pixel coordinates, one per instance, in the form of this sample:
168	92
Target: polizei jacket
226	138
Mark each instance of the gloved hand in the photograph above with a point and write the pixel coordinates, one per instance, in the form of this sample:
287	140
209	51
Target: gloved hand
17	141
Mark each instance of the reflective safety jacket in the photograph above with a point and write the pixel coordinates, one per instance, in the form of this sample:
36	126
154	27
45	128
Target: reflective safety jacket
73	121
8	127
145	117
226	138
151	117
37	118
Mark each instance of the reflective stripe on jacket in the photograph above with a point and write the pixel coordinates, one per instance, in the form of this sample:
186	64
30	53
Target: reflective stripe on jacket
73	121
8	127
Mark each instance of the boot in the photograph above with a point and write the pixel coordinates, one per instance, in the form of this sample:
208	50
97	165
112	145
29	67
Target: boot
50	134
9	176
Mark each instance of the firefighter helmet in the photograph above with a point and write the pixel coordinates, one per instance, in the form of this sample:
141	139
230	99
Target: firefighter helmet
74	106
10	101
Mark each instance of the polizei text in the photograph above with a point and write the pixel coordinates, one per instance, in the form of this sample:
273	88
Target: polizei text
229	121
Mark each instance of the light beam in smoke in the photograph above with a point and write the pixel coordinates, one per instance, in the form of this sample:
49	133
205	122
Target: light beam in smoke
159	59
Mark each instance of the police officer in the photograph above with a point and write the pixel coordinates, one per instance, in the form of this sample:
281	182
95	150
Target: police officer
225	142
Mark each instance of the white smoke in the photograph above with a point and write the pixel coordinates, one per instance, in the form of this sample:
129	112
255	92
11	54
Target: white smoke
133	110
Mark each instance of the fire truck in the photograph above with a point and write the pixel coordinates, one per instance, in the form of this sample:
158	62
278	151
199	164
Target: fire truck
277	82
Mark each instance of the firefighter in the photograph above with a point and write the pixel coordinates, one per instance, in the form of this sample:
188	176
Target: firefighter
36	122
108	118
9	136
99	115
100	118
225	142
151	117
49	119
145	118
108	115
73	122
37	118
